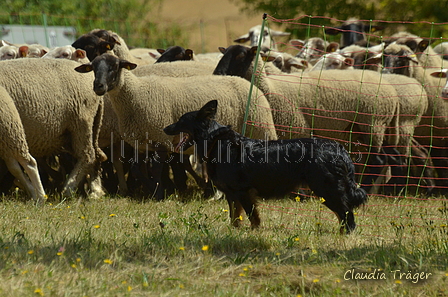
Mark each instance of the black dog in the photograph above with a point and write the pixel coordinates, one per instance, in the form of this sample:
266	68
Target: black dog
245	168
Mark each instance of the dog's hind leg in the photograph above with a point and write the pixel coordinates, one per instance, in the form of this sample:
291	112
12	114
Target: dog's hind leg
249	203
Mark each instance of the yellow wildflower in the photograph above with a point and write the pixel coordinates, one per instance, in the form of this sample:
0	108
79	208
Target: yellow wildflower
108	261
205	248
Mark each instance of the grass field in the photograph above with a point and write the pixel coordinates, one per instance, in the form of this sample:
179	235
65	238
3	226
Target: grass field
185	247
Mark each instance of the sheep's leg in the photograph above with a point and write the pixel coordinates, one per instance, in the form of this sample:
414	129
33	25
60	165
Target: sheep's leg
85	155
30	166
33	188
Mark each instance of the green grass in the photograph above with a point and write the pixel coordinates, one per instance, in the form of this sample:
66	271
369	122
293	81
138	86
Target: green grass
121	247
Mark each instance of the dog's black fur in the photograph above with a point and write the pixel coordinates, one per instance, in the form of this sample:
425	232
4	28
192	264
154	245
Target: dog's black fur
245	168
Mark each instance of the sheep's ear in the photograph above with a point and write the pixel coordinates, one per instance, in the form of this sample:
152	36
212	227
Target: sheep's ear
222	49
253	50
154	55
349	62
189	53
376	28
114	39
242	39
80	54
23	51
299	64
332	47
160	50
127	65
105	46
440	74
84	68
208	111
333	31
423	45
268	58
298	43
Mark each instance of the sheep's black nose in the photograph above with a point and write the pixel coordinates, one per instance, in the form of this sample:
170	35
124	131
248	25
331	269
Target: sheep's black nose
99	88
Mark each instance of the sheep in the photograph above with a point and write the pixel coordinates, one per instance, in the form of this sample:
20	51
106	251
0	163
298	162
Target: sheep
333	61
67	52
59	112
93	45
425	54
400	59
175	69
36	51
8	52
309	104
442	50
285	62
253	36
353	32
312	49
361	54
413	103
175	53
145	105
14	149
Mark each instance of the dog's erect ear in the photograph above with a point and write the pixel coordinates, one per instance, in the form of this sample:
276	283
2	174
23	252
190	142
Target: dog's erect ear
208	111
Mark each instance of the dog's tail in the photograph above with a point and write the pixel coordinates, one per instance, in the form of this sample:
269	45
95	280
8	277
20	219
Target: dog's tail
358	196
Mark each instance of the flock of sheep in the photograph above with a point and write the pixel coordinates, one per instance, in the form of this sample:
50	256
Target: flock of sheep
74	130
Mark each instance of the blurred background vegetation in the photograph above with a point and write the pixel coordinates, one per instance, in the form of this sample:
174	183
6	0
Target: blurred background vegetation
138	23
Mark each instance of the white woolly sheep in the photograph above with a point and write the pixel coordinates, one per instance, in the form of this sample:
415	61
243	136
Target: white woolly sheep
333	61
254	35
175	69
361	54
59	112
67	52
312	49
285	62
431	132
9	52
327	103
14	148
